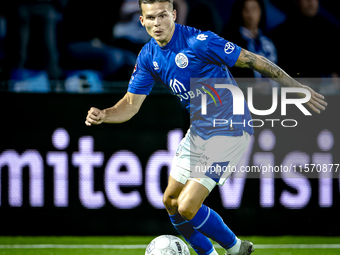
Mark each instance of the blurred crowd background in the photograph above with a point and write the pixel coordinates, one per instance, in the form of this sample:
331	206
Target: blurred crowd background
90	46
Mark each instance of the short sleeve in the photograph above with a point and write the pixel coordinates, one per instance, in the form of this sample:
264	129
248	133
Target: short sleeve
217	50
141	81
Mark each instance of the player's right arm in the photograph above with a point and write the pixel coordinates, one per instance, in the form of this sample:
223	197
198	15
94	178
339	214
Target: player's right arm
121	112
270	70
140	85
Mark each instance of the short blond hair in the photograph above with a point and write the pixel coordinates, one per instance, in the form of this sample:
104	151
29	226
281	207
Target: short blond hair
153	1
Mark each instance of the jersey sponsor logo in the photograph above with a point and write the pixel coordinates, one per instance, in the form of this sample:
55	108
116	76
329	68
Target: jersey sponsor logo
202	37
176	86
181	60
179	89
156	66
229	47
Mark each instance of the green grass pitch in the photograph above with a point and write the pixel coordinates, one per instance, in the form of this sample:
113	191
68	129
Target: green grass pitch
131	245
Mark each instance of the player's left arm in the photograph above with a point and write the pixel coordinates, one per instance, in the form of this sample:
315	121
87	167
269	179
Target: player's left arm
268	69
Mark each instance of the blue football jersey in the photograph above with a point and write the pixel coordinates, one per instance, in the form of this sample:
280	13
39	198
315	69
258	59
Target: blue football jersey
190	65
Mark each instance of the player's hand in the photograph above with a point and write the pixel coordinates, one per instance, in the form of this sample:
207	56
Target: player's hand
94	117
316	103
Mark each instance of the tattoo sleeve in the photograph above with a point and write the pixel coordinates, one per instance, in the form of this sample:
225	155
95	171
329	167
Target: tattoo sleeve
266	68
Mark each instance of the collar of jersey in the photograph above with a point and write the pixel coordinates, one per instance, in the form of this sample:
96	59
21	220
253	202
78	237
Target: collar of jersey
173	39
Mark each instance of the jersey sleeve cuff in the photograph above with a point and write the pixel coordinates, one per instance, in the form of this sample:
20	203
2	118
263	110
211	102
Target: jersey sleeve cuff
138	91
236	56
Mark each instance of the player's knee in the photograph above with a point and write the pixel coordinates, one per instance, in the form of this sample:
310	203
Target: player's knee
170	204
166	201
186	211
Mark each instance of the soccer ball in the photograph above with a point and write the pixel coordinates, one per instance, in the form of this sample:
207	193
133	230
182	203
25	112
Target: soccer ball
167	245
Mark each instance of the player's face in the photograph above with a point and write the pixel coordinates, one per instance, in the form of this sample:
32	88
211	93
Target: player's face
159	21
251	14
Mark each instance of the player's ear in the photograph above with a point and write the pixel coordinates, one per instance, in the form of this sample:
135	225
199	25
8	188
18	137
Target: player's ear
141	19
174	14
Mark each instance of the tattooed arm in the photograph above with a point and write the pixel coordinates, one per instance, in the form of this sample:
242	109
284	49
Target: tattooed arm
271	70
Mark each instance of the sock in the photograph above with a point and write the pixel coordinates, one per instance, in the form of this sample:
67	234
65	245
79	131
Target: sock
236	248
200	243
209	223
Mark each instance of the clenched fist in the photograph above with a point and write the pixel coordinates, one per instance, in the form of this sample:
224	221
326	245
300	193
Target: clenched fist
94	116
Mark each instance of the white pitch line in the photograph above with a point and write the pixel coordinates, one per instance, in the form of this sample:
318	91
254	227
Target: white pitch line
143	246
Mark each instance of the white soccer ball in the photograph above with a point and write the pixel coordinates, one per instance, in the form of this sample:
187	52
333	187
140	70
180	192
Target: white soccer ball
167	245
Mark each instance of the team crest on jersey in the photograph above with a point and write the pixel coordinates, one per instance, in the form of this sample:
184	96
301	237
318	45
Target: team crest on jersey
229	47
135	69
181	60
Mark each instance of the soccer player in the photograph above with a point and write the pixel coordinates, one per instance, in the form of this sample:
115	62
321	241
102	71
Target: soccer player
174	55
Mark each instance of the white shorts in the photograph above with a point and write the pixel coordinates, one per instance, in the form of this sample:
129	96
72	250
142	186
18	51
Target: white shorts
209	162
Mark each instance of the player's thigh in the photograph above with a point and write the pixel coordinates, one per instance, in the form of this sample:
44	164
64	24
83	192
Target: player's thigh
220	158
188	152
191	198
173	189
